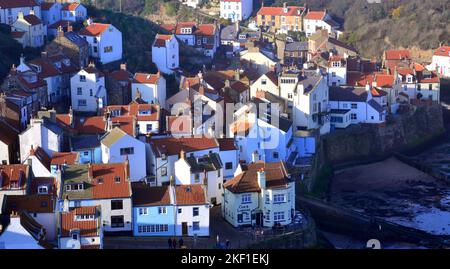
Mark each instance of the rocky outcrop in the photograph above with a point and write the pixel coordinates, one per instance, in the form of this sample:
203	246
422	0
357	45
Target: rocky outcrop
369	141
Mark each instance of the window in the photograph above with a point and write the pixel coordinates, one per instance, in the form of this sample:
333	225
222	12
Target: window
267	199
290	95
82	102
196	225
79	91
116	204
228	165
263	81
82	78
143	211
197	178
163	171
344	105
117	179
246	198
333	74
354	106
162	210
195	211
75	236
278	216
353	116
153	228
430	87
43	190
126	151
95	49
117	222
100	180
275	155
180	210
108	49
279	198
91	92
149	128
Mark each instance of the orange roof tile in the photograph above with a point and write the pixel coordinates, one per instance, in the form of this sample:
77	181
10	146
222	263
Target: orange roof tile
190	195
144	78
95	29
13	173
60	158
86	227
397	54
442	51
278	11
315	15
71	6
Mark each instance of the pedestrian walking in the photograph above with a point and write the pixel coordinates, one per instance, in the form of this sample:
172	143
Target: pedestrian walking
174	243
181	242
169	241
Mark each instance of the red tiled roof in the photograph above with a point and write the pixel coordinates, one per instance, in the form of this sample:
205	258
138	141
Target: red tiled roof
278	11
239	86
39	181
109	188
144	78
91	125
47	68
86	227
190	195
168	27
71	6
135	110
8	135
29	203
442	51
226	144
179	124
205	30
434	79
17	3
315	15
61	158
397	54
95	29
120	75
384	80
160	40
32	19
13	173
173	145
247	181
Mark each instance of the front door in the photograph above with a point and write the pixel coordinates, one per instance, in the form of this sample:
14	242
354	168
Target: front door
184	228
258	219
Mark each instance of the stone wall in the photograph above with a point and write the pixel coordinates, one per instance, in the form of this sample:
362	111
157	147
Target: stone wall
371	142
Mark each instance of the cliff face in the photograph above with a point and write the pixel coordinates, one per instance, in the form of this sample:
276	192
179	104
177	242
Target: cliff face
371	141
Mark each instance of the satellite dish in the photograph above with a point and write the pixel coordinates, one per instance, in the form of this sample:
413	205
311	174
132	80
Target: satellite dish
73	244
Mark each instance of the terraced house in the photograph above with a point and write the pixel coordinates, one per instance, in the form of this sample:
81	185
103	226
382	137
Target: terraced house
281	19
104	185
203	37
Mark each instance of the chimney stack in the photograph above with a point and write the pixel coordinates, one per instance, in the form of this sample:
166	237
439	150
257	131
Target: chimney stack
66	204
261	178
71	116
20	15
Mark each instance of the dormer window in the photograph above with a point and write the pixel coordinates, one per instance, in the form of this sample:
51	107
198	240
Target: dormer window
42	190
100	180
14	184
82	217
75	187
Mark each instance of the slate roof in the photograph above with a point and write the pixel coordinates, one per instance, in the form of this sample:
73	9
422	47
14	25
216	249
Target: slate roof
210	162
375	105
81	142
17	3
229	32
144	195
296	46
173	146
347	94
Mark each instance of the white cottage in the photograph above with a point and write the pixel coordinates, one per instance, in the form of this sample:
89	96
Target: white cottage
88	92
105	42
117	146
165	53
262	194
